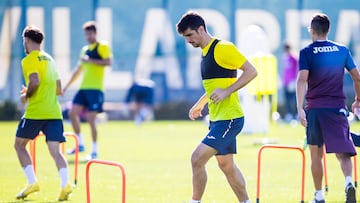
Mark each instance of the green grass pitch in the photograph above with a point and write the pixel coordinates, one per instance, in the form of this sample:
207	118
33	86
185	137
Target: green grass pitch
156	157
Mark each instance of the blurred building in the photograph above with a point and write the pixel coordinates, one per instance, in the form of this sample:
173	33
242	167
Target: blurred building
147	45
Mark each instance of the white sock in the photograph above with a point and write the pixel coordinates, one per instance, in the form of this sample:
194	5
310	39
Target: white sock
80	139
144	113
30	174
138	119
64	176
348	179
94	147
194	201
319	195
246	201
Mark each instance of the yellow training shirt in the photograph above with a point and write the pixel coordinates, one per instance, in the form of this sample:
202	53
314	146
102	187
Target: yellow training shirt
93	78
221	62
43	104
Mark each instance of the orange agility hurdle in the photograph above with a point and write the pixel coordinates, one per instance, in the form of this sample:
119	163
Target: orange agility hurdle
104	163
355	171
325	171
287	148
68	134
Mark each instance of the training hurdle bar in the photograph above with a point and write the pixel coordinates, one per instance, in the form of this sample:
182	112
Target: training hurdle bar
109	163
286	148
68	134
355	170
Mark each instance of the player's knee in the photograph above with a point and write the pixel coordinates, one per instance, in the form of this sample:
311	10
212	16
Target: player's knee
19	146
75	111
343	157
16	146
227	168
72	113
196	162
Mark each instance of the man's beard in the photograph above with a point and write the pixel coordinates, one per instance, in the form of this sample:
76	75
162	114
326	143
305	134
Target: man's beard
194	44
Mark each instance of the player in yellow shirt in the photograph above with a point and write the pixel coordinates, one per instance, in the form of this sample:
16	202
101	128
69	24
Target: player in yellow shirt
42	113
219	65
94	58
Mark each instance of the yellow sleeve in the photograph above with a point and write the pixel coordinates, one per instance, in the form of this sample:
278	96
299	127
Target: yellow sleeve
104	50
228	56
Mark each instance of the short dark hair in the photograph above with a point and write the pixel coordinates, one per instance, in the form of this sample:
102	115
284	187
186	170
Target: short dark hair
190	20
34	33
90	26
287	46
320	23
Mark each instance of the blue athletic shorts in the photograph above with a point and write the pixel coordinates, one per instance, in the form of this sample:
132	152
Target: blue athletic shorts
330	126
144	94
91	99
139	94
222	135
53	129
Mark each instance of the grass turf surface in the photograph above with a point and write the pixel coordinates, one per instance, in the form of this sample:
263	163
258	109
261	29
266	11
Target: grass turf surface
156	158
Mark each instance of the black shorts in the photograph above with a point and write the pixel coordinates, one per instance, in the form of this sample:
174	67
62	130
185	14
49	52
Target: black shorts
53	129
91	99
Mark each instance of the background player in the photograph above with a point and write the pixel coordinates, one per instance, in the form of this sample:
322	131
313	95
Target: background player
140	98
94	57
